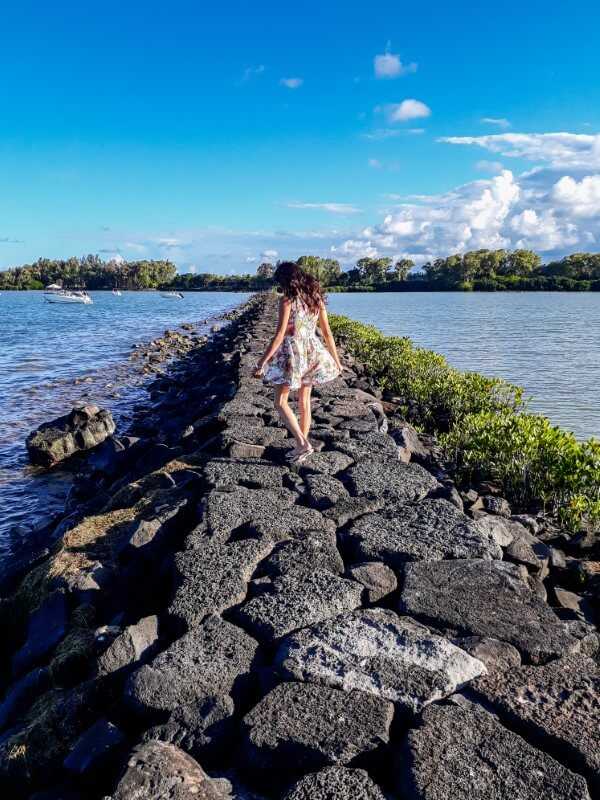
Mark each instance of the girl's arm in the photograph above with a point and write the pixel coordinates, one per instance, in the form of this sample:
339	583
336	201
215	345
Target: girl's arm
284	316
328	336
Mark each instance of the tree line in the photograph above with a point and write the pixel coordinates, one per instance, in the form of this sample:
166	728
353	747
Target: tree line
89	272
478	270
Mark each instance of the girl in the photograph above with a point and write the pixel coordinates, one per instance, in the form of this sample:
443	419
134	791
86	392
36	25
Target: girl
296	357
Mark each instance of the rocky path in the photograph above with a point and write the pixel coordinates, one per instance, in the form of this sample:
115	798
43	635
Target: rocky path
216	624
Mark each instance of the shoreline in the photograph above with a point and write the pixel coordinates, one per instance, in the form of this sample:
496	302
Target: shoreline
180	624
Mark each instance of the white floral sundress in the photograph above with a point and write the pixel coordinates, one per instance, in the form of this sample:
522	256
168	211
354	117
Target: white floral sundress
302	359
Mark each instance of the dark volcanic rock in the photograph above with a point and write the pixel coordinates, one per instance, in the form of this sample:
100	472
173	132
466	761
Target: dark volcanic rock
223	473
427	531
390	480
485	598
298	727
213	577
82	429
198	727
371	446
94	747
47	626
160	771
328	463
377	579
557	704
324	490
354	507
314	550
135	642
336	783
296	600
21	693
465	754
378	653
209	660
496	655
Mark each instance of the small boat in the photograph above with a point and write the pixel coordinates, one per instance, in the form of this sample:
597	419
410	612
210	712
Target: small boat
172	295
116	292
67	296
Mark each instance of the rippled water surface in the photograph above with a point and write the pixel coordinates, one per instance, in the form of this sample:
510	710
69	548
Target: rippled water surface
545	341
54	355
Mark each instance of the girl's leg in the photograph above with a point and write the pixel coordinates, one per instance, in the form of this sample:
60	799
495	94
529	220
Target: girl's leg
304	394
287	416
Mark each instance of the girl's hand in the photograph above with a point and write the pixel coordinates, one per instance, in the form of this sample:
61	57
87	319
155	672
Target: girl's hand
259	371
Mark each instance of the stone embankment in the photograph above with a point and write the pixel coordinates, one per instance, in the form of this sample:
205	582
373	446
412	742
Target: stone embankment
214	623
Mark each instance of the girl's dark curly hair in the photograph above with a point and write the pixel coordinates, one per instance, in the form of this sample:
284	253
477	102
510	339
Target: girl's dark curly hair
296	284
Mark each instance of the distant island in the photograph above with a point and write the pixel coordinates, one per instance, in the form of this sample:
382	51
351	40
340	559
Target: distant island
477	270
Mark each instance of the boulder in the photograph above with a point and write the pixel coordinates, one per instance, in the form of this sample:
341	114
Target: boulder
47	625
409	444
297	728
296	600
431	530
496	655
376	578
485	598
212	659
329	462
311	551
392	480
199	728
370	446
161	771
82	429
378	653
93	748
464	753
352	508
325	491
223	473
336	783
556	704
21	693
213	576
133	644
497	527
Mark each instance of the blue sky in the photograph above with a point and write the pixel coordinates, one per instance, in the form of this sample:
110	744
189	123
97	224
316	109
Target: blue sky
214	136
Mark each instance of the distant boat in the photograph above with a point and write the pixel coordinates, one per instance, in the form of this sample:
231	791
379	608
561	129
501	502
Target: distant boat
67	296
116	292
172	295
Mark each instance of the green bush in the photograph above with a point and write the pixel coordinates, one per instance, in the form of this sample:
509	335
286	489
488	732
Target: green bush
483	426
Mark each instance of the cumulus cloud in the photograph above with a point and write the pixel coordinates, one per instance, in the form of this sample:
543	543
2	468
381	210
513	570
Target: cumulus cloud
500	122
388	65
332	208
407	109
560	150
269	254
581	198
291	83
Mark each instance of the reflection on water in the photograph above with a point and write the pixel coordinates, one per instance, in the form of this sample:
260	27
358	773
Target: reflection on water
548	342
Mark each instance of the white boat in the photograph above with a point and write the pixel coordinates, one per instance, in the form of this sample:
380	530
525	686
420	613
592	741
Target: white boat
116	292
172	295
66	296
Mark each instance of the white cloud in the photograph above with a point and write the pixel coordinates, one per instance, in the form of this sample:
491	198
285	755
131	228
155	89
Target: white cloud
388	65
581	198
375	163
500	122
561	150
291	83
489	166
269	254
251	259
407	109
332	208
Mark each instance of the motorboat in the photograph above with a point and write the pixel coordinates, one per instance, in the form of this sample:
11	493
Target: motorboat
68	296
116	292
172	295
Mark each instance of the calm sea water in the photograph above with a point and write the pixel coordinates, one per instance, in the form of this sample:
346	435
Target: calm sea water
545	341
54	355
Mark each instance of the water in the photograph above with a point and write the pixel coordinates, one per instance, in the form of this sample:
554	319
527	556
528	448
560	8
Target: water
52	356
548	342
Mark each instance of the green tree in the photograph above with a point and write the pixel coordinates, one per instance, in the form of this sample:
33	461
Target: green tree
265	270
402	267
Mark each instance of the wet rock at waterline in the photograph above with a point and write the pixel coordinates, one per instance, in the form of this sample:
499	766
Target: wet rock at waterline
82	429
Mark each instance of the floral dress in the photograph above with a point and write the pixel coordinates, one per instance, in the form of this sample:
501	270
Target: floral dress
302	359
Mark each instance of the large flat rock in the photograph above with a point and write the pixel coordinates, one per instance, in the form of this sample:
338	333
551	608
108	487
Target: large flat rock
305	553
298	599
213	577
370	446
461	753
209	660
485	598
297	728
224	473
391	480
336	783
161	771
378	652
198	728
557	704
430	530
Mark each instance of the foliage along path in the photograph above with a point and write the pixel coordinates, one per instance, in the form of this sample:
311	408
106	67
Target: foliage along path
213	623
